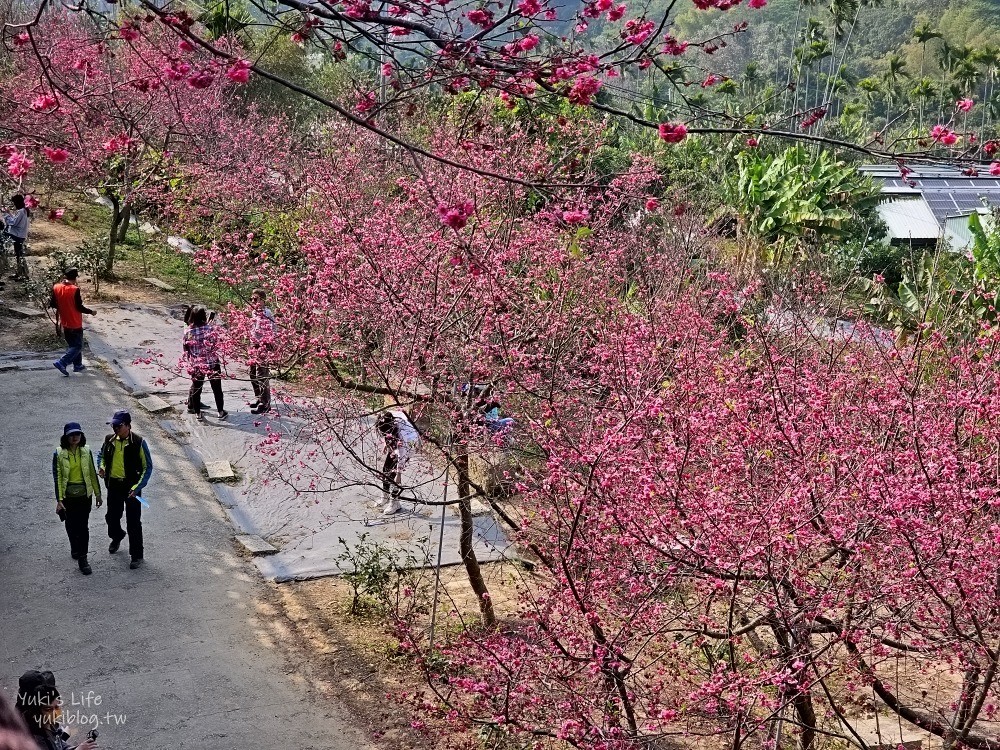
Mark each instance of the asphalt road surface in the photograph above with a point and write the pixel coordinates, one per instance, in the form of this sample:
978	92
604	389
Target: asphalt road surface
184	652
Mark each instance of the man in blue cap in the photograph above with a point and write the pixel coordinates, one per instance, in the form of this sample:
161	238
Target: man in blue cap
125	465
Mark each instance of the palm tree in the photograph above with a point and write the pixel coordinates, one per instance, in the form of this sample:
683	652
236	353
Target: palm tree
751	78
967	76
925	91
895	69
923	34
843	11
869	88
946	57
989	58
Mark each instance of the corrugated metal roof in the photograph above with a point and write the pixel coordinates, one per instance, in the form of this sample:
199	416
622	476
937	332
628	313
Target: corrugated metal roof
948	191
909	218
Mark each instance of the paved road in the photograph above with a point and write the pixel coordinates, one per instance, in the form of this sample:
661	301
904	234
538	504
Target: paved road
183	653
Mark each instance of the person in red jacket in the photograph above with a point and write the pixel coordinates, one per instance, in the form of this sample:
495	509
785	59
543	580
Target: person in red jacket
69	307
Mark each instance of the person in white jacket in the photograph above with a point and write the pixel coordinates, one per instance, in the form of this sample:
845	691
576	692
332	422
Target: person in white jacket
16	226
399	442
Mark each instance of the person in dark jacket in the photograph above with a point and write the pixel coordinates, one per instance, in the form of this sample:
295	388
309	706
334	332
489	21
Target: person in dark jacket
40	706
77	486
69	307
125	465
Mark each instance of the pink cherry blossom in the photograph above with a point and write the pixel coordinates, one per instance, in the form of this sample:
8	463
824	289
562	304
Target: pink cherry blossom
616	13
202	79
638	31
583	90
529	8
576	216
480	16
18	164
366	102
995	169
528	42
652	204
239	72
673	47
757	4
44	102
455	216
944	135
129	31
56	155
965	105
672	132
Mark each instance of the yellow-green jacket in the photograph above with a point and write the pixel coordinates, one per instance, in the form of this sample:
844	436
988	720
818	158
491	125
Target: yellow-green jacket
60	472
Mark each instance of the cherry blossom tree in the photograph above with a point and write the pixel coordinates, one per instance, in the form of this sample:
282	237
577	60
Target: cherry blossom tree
741	541
114	114
531	54
743	532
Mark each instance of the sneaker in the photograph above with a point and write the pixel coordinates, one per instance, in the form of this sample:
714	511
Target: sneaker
201	417
61	367
260	410
137	563
79	368
392	508
115	544
223	413
85	566
253	404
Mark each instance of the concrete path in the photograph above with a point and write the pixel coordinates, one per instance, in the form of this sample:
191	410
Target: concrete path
301	497
182	653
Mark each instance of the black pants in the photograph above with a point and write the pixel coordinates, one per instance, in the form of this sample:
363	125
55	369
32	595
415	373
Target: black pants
260	378
21	265
118	503
391	476
78	524
198	382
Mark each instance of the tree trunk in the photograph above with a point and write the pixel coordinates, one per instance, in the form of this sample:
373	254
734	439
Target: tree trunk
124	221
465	541
116	217
793	647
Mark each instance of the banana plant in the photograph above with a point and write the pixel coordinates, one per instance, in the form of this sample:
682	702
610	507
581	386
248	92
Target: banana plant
789	205
940	292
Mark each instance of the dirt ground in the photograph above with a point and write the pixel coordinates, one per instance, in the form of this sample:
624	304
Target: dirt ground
355	659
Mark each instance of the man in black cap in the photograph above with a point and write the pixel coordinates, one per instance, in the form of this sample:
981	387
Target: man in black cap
125	465
69	307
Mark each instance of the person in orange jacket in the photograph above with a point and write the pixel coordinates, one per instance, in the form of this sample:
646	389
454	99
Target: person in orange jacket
69	307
